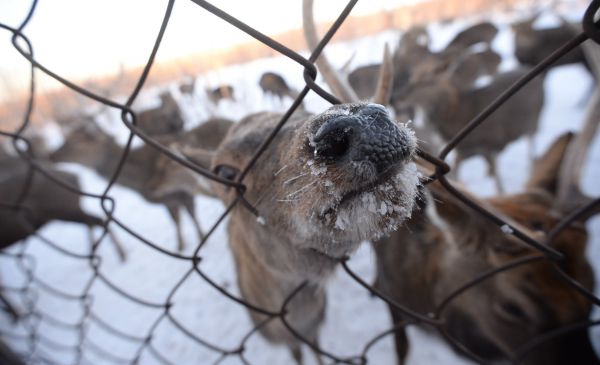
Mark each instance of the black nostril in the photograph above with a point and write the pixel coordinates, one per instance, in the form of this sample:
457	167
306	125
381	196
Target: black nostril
335	146
333	139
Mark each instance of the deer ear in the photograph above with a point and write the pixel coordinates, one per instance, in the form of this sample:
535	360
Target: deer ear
546	169
199	156
467	68
529	21
451	214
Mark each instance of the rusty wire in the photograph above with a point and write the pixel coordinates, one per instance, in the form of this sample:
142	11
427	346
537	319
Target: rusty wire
27	263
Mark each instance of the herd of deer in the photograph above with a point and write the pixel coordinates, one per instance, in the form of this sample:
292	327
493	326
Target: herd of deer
327	182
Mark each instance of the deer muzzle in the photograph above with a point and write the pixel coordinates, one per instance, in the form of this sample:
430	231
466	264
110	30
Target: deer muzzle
367	136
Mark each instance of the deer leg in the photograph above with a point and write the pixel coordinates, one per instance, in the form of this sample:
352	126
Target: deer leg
116	243
9	307
297	354
91	236
190	207
8	356
174	212
491	160
317	354
91	221
531	147
400	338
457	161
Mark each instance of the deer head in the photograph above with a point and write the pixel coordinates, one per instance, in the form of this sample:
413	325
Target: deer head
271	82
324	184
443	102
86	144
436	84
220	92
496	317
447	244
329	182
454	244
483	32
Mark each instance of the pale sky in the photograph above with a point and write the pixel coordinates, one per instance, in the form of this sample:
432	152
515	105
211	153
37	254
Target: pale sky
78	38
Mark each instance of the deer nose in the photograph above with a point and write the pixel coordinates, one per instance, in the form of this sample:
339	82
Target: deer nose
366	135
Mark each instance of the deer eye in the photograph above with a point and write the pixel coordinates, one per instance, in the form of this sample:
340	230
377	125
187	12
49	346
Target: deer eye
513	311
226	172
537	225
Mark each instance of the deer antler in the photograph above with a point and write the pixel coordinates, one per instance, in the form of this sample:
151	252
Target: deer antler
385	82
338	84
569	193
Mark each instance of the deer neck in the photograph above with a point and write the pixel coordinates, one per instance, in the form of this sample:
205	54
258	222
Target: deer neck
106	161
419	250
266	267
139	168
291	263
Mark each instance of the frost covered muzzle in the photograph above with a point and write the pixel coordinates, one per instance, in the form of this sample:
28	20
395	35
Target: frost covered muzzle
363	162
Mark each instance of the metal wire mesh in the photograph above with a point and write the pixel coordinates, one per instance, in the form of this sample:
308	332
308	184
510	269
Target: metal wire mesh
35	318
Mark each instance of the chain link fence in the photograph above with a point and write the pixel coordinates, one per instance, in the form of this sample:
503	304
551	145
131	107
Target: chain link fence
34	320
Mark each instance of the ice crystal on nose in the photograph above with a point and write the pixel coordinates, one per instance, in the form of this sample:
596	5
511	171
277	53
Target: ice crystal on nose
506	229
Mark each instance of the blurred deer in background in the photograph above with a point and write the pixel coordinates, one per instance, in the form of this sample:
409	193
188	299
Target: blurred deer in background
205	137
413	46
483	32
219	93
68	117
147	171
45	201
188	85
533	45
166	119
446	244
413	57
447	101
274	84
208	135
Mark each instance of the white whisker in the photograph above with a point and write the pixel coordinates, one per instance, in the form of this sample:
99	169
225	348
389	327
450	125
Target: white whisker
303	188
279	171
294	178
262	196
287	200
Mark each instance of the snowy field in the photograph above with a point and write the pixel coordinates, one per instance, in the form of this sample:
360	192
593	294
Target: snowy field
353	316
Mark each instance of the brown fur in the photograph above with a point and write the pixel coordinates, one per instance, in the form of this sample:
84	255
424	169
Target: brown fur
423	263
533	45
307	228
188	85
274	84
147	171
413	58
45	201
219	93
166	119
448	101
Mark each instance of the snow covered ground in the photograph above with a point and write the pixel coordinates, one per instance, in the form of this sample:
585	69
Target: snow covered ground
353	316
